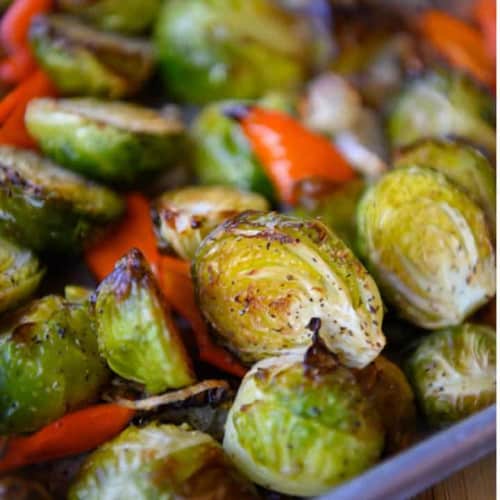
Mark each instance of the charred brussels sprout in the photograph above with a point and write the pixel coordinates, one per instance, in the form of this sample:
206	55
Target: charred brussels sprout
301	429
440	105
20	274
462	164
47	208
136	334
123	16
185	216
111	141
223	154
83	61
386	385
336	207
260	278
160	462
453	372
427	245
49	364
230	48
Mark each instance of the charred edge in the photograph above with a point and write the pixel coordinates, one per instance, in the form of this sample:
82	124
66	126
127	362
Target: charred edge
12	178
318	360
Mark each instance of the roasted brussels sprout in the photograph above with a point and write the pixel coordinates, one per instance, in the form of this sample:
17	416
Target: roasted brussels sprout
386	385
184	217
261	277
300	429
79	294
453	372
83	61
461	163
20	274
336	207
223	155
123	16
440	105
160	461
112	141
47	208
17	488
427	245
49	364
136	334
230	48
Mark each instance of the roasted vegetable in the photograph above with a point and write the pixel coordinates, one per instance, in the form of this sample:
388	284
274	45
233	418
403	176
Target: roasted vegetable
453	372
462	164
136	334
440	105
111	141
301	428
223	155
336	206
78	294
386	385
17	488
183	217
123	16
45	207
427	245
20	274
260	278
160	461
49	364
83	61
230	49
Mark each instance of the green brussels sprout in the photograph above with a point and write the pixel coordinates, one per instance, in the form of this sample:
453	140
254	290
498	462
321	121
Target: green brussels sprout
123	16
230	49
111	141
453	372
49	364
184	217
300	429
386	385
17	488
261	277
20	274
78	294
47	208
160	462
83	61
336	207
137	336
440	105
463	164
223	155
427	245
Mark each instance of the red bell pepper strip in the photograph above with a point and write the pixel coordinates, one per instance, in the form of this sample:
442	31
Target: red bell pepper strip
14	28
485	13
290	153
72	434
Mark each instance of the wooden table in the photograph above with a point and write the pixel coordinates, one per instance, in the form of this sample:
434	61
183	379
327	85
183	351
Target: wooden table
477	482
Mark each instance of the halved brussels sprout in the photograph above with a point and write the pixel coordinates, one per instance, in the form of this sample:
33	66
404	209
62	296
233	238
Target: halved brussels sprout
463	164
49	364
453	372
83	61
17	488
440	105
46	207
427	245
184	217
300	429
20	274
123	16
160	462
336	207
112	141
386	385
261	277
223	155
137	336
230	48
